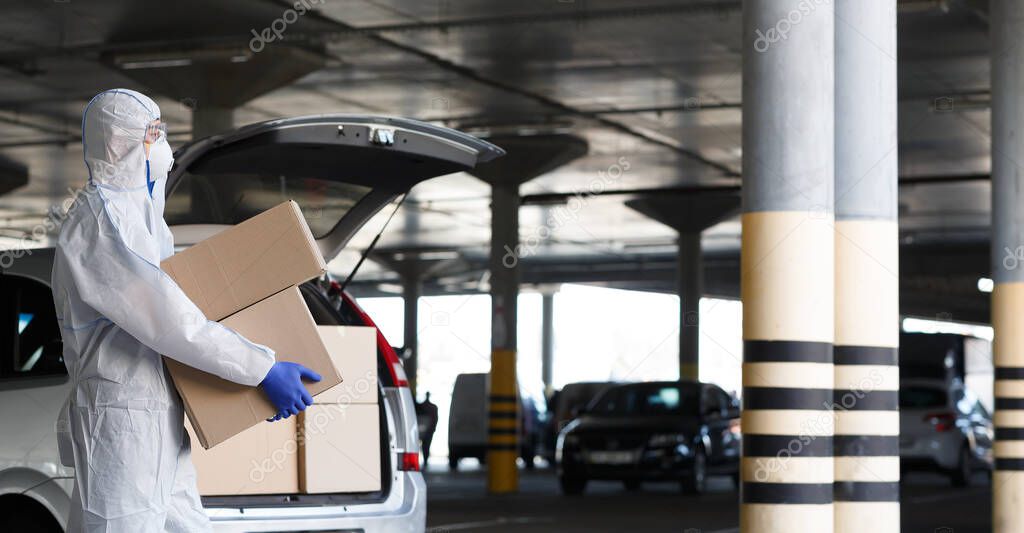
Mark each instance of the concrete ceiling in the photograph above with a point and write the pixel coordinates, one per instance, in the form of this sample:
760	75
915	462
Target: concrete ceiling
652	86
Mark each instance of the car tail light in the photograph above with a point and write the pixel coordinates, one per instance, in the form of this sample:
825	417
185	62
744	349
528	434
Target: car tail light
941	421
409	461
394	364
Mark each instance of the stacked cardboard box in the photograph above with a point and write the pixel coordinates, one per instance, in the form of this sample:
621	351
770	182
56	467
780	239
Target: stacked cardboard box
337	450
246	278
342	430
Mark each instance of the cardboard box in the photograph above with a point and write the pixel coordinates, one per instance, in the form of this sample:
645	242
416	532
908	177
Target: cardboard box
220	409
340	449
263	459
353	350
248	262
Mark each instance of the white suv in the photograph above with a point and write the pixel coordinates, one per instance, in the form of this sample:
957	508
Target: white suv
341	170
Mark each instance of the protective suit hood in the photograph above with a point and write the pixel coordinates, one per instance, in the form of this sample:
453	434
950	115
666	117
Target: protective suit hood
113	127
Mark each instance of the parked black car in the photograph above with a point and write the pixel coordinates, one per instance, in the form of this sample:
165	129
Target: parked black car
661	431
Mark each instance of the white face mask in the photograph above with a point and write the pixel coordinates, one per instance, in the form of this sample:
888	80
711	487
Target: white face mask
160	160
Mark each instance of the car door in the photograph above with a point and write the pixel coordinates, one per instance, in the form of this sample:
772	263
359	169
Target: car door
33	387
340	169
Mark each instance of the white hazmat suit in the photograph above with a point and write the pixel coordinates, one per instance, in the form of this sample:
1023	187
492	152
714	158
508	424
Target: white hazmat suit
119	313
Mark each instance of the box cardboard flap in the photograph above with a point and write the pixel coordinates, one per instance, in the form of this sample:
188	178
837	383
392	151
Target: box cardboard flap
248	262
220	409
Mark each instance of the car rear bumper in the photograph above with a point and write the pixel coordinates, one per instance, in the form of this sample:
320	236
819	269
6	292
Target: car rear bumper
940	451
653	465
405	510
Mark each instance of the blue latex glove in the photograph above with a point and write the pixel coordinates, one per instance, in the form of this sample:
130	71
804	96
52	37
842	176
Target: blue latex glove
283	385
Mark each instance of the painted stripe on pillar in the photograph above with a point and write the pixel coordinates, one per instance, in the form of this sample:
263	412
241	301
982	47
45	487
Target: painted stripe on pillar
1009	372
867	446
866	355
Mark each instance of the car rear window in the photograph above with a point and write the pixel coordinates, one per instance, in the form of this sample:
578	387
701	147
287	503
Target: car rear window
922	397
233	198
648	400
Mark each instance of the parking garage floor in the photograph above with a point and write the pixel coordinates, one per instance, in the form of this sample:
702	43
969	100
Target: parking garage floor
458	502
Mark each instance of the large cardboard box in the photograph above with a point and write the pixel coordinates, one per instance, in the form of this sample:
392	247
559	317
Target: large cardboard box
340	448
340	442
263	459
353	351
248	262
220	409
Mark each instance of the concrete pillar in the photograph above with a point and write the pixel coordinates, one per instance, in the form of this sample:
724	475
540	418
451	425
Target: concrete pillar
787	266
503	438
209	120
412	289
866	397
689	215
1007	24
691	286
547	341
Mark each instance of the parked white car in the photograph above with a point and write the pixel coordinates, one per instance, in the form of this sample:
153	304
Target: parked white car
944	428
341	170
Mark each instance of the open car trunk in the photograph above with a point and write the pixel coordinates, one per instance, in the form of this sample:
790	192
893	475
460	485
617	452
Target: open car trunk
341	170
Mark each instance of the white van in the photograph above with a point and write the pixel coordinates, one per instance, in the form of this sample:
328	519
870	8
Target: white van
467	422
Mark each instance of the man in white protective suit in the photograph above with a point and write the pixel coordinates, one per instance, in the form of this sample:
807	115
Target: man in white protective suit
123	424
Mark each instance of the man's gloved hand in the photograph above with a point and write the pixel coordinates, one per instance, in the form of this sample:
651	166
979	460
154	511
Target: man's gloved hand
283	385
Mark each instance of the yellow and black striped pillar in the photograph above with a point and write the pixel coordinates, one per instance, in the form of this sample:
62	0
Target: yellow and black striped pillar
866	398
503	403
787	268
503	425
1007	47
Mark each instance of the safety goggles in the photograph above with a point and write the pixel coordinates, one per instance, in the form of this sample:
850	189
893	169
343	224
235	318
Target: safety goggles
155	132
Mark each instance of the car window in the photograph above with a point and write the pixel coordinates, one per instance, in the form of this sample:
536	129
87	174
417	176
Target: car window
648	400
31	337
965	400
918	397
716	401
233	198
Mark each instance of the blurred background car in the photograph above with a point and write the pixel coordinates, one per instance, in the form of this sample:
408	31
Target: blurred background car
564	405
944	428
659	431
467	423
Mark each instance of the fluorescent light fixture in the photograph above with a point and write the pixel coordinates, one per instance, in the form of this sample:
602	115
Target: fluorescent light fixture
156	63
923	325
180	58
985	284
389	288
